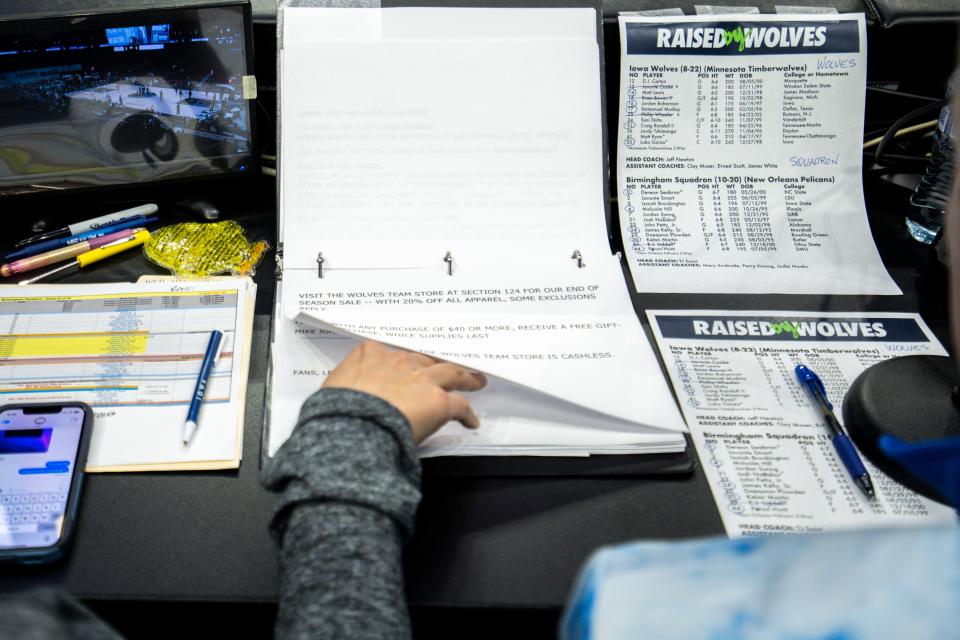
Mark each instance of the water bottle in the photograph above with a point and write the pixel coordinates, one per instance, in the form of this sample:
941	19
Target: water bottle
932	195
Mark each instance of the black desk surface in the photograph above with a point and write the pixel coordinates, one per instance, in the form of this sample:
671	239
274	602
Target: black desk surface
509	542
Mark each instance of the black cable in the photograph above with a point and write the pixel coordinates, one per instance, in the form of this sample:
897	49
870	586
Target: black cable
273	130
901	158
916	114
876	129
901	94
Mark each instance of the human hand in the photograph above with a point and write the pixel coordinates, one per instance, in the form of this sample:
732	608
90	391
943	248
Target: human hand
418	385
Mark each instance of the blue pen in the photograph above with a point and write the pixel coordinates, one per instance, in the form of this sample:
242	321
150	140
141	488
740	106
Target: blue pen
56	243
209	360
841	441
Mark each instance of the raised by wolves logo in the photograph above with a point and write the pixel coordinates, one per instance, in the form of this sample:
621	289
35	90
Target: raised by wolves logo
812	328
783	328
772	37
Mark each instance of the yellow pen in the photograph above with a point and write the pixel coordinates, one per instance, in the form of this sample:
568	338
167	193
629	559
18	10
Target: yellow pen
90	257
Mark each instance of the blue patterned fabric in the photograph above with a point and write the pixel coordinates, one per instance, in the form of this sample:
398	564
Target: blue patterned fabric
935	463
899	584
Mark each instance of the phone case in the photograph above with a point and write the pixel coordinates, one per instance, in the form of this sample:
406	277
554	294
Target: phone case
43	555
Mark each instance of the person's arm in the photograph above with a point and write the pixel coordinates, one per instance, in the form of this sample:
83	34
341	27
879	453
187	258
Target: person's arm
351	485
45	613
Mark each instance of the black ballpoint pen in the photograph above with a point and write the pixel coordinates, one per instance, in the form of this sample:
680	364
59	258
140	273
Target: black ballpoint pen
841	441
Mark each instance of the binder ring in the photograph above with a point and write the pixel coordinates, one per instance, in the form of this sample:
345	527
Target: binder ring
448	258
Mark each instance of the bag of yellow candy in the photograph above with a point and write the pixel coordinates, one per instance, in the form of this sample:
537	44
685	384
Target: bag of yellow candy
204	249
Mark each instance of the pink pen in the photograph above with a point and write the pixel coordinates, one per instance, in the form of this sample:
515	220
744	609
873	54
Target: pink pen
63	253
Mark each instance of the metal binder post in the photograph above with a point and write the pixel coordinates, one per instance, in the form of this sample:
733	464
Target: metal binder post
579	258
449	260
320	265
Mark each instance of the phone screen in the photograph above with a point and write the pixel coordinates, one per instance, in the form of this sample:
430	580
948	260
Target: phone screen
37	456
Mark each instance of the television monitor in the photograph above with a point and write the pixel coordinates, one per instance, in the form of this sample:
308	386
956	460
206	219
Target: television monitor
120	98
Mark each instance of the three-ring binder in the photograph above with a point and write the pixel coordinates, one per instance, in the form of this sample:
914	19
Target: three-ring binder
448	260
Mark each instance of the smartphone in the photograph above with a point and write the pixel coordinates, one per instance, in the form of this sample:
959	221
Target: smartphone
43	450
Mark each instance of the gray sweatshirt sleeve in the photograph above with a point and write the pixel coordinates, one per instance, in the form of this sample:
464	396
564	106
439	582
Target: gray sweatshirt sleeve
45	614
350	483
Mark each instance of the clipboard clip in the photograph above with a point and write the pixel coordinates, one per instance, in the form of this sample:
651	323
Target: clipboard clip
579	258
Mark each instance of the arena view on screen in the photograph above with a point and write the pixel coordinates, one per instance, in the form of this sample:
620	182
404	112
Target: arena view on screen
118	98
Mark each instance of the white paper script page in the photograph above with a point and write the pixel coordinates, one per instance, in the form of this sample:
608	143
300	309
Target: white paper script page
407	143
514	420
765	451
739	155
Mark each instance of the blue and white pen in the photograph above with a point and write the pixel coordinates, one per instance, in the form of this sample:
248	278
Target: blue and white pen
214	347
841	441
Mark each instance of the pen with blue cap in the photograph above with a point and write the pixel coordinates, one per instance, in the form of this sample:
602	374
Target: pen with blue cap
841	441
214	349
56	243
